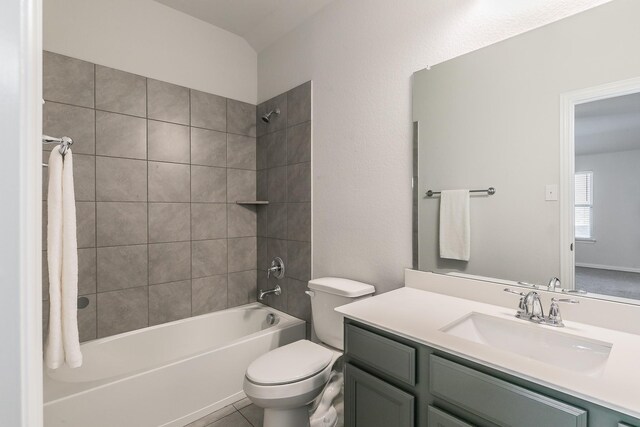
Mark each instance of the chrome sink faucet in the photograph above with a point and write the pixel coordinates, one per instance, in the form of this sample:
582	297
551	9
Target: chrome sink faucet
530	308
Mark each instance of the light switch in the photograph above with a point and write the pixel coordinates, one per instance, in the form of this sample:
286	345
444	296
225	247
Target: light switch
552	192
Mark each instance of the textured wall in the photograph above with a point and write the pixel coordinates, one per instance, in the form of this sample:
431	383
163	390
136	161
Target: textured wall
150	39
157	171
284	179
360	55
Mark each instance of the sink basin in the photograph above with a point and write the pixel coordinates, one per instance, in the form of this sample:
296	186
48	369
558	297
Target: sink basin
533	341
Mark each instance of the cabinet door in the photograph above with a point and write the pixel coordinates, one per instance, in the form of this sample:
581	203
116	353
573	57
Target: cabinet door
371	402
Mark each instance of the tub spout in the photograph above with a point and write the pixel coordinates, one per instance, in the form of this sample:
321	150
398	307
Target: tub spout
276	291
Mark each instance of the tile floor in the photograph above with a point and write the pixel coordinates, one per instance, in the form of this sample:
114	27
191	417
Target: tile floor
240	414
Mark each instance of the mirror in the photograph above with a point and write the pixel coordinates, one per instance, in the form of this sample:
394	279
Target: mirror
527	116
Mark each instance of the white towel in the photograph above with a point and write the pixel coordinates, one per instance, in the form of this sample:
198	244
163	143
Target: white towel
63	343
455	226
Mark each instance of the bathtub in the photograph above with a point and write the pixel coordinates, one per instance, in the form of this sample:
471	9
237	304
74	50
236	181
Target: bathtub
165	375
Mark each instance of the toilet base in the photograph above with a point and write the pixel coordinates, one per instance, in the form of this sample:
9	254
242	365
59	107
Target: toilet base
294	417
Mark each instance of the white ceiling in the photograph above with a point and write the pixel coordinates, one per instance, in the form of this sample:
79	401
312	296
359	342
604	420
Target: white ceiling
608	125
260	22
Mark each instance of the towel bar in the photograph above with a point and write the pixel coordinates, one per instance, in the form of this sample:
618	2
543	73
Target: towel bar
490	191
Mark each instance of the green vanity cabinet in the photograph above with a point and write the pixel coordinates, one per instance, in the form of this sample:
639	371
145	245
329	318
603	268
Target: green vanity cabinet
391	381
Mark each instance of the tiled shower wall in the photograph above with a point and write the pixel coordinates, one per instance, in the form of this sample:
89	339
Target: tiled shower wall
284	179
157	169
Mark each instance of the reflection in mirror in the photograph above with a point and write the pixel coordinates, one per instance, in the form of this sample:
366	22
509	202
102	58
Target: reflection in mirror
607	196
494	118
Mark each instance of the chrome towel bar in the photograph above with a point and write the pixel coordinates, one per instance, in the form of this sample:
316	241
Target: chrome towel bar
490	191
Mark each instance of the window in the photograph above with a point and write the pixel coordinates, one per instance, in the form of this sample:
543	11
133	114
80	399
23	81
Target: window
584	205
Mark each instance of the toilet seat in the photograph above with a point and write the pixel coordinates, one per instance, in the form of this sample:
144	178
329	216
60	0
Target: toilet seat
289	364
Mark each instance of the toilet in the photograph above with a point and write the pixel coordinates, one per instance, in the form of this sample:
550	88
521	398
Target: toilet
285	381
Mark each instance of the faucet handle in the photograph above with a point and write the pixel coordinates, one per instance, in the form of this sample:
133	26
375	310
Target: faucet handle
522	306
522	294
554	318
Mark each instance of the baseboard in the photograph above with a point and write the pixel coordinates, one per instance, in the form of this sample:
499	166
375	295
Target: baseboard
608	267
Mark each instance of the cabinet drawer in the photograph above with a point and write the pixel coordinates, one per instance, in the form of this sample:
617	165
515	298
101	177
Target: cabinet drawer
371	402
498	401
387	356
439	418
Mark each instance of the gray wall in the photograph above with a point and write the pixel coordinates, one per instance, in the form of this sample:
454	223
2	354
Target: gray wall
157	170
492	118
284	179
616	209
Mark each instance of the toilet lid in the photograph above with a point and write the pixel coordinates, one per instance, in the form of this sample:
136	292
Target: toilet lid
290	363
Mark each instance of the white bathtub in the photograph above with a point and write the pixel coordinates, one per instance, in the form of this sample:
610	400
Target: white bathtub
165	375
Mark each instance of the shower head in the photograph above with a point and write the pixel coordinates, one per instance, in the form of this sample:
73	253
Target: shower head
267	117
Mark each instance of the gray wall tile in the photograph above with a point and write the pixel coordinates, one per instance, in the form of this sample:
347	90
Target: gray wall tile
299	182
242	254
262	219
169	262
122	311
208	294
276	148
241	152
277	122
299	143
242	288
299	257
262	192
122	267
168	142
121	223
87	320
208	111
167	102
78	123
208	185
241	185
277	248
242	220
241	118
169	302
120	92
277	184
169	222
208	147
277	220
261	152
298	303
86	271
67	80
84	177
299	221
299	104
168	182
120	180
208	221
209	258
118	135
85	224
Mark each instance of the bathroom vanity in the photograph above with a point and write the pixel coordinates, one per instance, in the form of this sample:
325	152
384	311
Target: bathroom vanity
408	362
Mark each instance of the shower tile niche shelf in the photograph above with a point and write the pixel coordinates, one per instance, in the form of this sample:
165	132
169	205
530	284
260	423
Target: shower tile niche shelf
252	202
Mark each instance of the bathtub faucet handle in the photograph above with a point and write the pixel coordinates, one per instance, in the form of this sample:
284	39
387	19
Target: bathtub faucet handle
277	268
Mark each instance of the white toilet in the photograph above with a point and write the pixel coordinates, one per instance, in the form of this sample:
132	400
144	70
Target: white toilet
287	380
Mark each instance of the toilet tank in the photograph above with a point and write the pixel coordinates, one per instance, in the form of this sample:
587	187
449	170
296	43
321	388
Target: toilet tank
326	294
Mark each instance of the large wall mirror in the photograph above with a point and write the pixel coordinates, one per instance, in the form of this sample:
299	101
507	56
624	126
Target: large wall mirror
550	119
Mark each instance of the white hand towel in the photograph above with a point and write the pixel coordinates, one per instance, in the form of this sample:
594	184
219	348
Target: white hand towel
62	342
455	225
69	284
54	351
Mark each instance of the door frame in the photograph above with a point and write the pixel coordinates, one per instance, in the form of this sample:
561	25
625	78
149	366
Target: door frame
568	102
21	213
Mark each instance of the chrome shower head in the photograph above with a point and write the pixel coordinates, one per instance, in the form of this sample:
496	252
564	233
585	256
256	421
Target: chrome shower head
267	117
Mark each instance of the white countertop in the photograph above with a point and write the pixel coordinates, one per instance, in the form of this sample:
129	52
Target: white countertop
419	315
